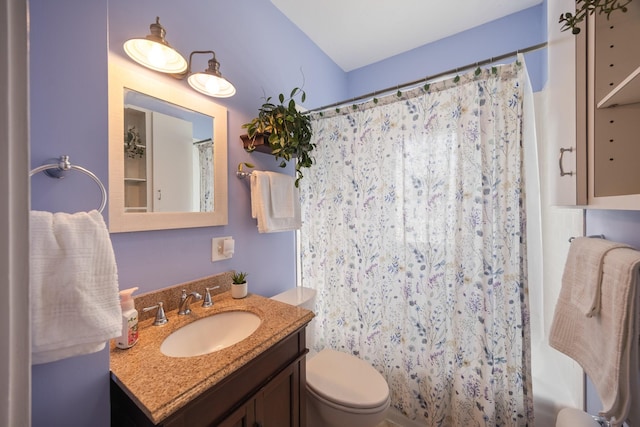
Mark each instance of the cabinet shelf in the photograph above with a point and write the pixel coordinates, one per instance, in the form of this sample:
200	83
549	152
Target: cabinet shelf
135	209
135	180
627	92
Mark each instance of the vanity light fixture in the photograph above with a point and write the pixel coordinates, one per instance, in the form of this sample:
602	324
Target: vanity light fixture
210	81
154	52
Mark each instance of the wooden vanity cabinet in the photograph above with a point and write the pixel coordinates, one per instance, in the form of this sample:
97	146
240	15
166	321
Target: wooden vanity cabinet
267	392
274	405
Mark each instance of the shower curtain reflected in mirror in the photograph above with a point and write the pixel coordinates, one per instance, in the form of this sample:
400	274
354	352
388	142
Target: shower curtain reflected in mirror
414	236
205	165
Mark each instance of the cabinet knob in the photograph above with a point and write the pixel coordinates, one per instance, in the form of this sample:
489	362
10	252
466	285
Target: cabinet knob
562	151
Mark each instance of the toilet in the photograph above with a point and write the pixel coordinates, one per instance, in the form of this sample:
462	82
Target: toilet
342	390
572	417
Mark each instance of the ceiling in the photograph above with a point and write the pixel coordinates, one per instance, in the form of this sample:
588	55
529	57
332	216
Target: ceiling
356	33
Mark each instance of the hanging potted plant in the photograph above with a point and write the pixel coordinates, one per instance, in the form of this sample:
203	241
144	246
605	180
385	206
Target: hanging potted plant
282	130
585	8
239	286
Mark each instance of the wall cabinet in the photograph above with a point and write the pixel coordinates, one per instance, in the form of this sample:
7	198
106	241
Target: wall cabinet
136	160
267	392
608	111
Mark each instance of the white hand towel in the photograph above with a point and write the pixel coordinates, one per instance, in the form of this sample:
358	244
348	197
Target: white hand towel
75	306
261	206
282	188
583	270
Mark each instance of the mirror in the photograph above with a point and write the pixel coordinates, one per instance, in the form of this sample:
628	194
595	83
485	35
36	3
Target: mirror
168	163
167	153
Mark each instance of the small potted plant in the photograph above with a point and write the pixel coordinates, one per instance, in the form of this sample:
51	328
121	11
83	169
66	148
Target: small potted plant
585	8
239	286
282	130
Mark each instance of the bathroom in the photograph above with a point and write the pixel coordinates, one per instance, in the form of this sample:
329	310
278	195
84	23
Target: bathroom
69	115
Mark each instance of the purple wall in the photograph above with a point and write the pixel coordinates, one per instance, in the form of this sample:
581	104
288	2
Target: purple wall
69	53
516	31
242	34
68	107
69	111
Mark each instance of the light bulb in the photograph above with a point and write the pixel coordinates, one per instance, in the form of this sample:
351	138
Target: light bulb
212	84
157	56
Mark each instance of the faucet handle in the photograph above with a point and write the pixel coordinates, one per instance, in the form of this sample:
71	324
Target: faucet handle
161	318
207	297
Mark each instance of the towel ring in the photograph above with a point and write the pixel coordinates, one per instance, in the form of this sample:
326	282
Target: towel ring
56	170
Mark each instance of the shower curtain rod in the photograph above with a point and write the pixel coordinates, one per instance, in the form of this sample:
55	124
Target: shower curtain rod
432	77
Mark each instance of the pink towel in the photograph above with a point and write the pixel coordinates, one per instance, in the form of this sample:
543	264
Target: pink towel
584	270
604	344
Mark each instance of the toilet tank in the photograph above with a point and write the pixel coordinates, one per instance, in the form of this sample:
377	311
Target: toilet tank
298	296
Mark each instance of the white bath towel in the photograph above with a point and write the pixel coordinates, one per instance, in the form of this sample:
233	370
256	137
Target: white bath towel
604	343
583	271
261	206
282	188
75	306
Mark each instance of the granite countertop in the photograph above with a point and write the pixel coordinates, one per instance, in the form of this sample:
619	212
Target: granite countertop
160	385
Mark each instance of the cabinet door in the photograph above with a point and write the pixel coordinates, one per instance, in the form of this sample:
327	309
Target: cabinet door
564	102
278	403
242	417
173	153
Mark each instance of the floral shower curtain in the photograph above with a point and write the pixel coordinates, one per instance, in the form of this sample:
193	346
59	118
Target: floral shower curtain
414	237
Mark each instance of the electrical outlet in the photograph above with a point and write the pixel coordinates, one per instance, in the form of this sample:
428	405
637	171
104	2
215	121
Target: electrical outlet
216	249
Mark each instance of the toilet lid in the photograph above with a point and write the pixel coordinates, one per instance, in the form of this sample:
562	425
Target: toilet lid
296	296
346	380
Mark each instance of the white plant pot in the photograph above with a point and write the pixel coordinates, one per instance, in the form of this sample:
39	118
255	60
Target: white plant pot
239	291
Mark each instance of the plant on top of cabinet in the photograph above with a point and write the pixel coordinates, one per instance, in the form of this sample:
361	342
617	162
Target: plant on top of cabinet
589	7
284	130
133	145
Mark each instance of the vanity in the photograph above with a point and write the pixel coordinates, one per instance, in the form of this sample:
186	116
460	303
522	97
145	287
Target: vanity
259	381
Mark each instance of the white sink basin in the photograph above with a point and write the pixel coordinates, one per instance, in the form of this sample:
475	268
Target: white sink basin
210	334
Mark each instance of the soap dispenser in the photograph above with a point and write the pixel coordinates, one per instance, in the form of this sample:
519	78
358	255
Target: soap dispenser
129	334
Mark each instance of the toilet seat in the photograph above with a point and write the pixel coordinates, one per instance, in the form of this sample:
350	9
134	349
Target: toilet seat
572	417
344	381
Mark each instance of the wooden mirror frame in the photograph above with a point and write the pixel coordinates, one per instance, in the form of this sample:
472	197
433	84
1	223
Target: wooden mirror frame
123	75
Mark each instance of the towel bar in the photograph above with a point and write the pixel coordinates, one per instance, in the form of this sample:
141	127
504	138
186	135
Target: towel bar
242	174
55	170
593	236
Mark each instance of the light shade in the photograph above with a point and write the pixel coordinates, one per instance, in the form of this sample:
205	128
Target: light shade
210	81
154	51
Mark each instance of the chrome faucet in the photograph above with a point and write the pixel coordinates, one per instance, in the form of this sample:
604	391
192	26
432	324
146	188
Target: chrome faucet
185	300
